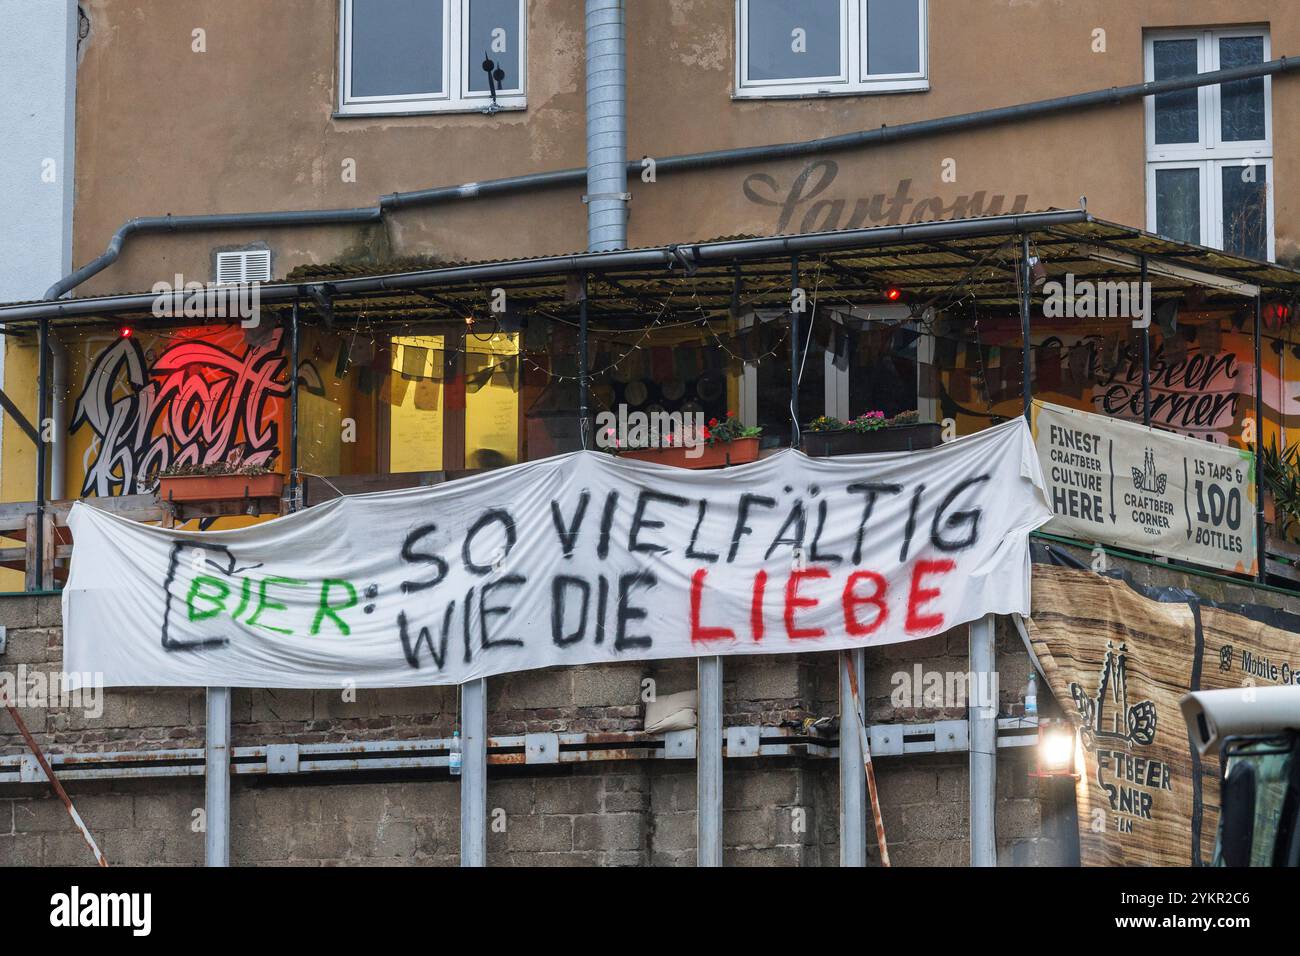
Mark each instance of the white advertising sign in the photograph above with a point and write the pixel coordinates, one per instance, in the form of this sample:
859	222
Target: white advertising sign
1118	483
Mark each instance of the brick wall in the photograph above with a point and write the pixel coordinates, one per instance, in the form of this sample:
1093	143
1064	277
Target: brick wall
778	811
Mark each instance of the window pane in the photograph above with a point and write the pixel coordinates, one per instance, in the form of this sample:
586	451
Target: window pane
1245	210
1177	114
793	40
882	370
491	400
493	34
396	47
1178	204
1242	112
415	422
893	36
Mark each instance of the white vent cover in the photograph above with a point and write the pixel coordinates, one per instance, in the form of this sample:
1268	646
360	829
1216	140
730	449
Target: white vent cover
252	265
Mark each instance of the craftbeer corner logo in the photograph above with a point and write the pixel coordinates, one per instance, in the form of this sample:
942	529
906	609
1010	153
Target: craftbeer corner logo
76	909
1130	781
1147	479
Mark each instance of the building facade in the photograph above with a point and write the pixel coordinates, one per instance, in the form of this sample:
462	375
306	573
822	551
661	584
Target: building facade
203	109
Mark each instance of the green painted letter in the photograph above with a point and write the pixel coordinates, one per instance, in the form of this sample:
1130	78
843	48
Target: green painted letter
326	610
216	598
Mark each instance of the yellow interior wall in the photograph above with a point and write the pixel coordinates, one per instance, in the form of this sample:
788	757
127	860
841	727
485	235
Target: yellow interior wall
492	413
415	434
18	475
18	479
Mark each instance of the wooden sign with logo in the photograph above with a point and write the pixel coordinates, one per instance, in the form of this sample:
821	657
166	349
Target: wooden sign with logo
1119	660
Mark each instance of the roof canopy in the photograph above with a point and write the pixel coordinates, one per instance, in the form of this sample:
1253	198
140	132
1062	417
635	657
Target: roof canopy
937	263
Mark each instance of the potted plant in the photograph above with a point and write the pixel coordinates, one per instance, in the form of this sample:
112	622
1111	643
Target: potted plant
228	480
724	442
868	433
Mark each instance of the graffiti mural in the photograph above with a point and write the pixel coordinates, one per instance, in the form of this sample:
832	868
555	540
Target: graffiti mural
193	402
1202	389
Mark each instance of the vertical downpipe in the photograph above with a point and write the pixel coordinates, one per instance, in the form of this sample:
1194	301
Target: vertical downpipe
1026	312
36	554
1261	528
607	194
294	358
58	420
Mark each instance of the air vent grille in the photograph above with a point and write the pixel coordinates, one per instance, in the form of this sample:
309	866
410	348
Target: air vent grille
252	265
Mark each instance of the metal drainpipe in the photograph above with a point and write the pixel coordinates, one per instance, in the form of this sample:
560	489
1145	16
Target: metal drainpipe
37	574
58	419
1261	527
1026	312
1146	346
607	194
294	496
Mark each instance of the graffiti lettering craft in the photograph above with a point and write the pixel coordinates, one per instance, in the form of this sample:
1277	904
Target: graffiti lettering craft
196	404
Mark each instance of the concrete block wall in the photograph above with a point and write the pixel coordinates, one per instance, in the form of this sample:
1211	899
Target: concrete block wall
778	811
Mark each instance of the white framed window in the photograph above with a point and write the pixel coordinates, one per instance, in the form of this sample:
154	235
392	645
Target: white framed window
423	56
1209	151
830	47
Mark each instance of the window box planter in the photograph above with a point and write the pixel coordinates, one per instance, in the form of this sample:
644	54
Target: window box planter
190	489
739	451
894	438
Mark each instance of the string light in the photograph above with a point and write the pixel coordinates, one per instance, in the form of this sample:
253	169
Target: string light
991	267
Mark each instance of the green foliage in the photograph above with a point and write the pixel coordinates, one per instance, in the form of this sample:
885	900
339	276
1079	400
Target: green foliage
1282	479
867	422
728	429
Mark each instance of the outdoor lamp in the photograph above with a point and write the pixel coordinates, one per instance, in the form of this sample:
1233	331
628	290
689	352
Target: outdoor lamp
1056	746
1037	271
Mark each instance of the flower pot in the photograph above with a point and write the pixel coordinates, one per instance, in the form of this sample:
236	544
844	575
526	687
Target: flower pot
191	488
892	438
738	452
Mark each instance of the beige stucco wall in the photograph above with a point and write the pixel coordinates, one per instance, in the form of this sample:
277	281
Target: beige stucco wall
248	125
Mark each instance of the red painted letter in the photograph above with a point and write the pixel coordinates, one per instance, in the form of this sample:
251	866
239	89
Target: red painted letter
699	633
853	601
920	596
756	608
793	602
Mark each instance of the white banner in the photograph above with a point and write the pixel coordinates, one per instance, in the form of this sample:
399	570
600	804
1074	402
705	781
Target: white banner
1115	482
578	559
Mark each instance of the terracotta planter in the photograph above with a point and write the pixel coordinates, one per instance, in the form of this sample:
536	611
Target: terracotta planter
738	452
191	488
894	438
